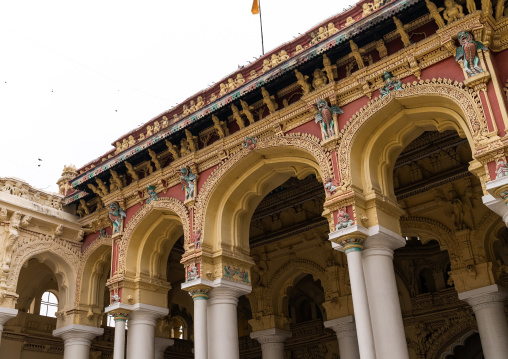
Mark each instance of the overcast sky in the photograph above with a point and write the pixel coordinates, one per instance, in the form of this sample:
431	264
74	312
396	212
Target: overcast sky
76	75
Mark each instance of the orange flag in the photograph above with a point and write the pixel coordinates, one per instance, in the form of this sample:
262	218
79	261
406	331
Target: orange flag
255	7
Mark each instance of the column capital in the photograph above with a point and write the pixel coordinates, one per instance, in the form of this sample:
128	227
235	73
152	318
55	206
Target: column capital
497	205
77	334
198	291
228	291
146	314
343	327
382	238
485	297
349	239
273	335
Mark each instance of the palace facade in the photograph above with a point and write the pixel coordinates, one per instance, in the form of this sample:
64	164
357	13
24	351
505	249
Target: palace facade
345	196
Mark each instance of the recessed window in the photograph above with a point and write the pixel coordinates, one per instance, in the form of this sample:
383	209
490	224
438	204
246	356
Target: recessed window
49	305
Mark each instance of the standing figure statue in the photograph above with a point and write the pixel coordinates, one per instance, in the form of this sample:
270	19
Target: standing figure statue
188	181
116	216
467	53
501	168
325	117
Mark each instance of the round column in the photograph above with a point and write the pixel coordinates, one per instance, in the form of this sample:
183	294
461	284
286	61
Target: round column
384	304
222	319
272	342
120	321
200	298
346	336
141	333
488	306
77	340
353	249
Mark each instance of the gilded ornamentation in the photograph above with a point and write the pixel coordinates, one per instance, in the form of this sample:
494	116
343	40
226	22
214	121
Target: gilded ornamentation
402	32
302	81
165	122
390	84
237	116
467	53
269	101
325	119
329	68
266	65
435	13
452	11
173	149
200	102
319	80
246	110
131	171
116	215
357	54
219	126
253	74
283	56
223	89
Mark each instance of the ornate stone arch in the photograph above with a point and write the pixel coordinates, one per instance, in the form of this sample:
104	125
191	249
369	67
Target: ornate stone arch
85	262
287	274
290	155
461	341
172	205
463	111
62	256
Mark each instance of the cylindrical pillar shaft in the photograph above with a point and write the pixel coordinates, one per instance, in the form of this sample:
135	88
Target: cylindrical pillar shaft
360	304
223	342
141	336
119	346
77	340
386	316
200	326
346	336
488	306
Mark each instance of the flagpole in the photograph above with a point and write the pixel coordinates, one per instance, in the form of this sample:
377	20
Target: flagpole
261	24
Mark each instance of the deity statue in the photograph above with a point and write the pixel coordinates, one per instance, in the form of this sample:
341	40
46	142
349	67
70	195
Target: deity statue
453	11
275	60
349	21
435	13
125	144
467	53
188	181
324	117
152	195
239	81
213	97
192	273
246	110
302	81
149	131
118	146
331	185
343	220
156	127
132	141
501	168
165	122
367	9
237	116
192	107
391	84
266	65
218	126
200	102
319	79
231	84
332	30
283	56
141	137
184	147
186	110
299	48
116	216
322	33
250	143
329	68
253	74
223	90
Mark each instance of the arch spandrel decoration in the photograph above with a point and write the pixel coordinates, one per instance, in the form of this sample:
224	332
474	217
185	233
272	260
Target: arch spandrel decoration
168	203
468	101
305	142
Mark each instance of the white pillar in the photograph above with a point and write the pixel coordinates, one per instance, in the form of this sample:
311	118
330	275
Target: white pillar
346	335
141	333
350	240
222	319
488	307
5	315
272	342
160	346
386	316
77	339
119	347
200	297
